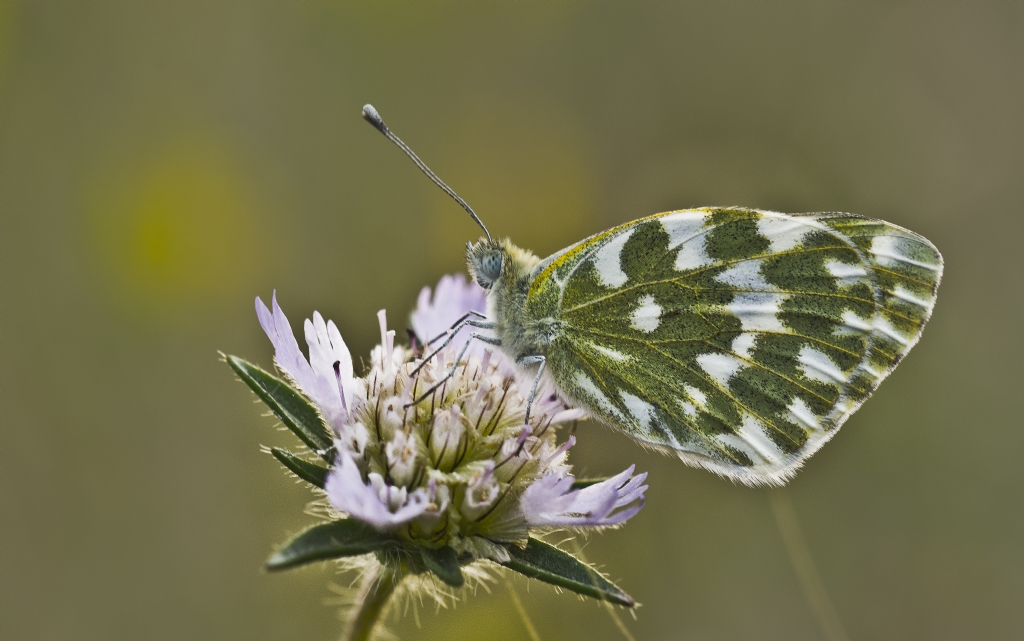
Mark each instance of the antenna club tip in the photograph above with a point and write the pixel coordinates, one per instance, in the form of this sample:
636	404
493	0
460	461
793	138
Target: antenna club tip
371	116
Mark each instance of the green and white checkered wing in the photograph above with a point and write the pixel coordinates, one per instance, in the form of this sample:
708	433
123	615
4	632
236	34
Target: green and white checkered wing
741	339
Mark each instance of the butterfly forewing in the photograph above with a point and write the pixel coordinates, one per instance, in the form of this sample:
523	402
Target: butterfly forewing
741	339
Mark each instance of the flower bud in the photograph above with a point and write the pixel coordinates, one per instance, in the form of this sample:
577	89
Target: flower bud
447	439
352	438
402	453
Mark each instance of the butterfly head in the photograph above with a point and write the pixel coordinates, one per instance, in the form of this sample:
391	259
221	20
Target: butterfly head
486	261
499	263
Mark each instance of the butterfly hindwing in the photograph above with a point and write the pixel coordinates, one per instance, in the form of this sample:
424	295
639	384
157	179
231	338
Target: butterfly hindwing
740	339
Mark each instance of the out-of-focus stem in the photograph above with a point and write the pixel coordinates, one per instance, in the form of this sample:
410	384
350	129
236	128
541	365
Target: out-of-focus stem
803	563
378	586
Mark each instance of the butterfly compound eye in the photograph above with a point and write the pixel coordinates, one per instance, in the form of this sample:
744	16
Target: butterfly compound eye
485	263
491	265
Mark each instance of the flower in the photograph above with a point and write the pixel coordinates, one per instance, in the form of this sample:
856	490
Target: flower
460	468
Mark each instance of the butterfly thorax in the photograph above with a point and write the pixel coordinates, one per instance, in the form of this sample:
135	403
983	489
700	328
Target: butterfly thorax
506	271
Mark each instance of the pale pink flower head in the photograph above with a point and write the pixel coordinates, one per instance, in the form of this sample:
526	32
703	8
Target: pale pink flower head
462	466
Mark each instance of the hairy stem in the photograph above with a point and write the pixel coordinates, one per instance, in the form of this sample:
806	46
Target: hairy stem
378	586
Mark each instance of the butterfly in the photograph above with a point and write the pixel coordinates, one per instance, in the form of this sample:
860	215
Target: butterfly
738	339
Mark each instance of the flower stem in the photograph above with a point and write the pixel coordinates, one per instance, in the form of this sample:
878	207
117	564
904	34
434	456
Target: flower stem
377	588
803	563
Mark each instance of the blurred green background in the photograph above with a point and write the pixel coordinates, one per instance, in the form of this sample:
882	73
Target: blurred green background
163	163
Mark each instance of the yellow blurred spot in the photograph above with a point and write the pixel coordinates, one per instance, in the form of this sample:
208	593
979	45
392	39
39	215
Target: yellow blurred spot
526	174
177	230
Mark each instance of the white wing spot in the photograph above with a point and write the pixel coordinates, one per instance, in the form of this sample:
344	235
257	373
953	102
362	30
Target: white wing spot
638	408
745	275
819	367
888	250
801	413
872	372
610	353
720	367
842	406
643	412
753	441
647	316
608	260
885	328
683	226
905	294
743	343
855	323
696	395
785	233
737	442
692	254
758	312
597	395
752	431
688	408
844	273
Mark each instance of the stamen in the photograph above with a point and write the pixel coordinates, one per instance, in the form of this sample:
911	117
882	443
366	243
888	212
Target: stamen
382	320
414	340
520	441
341	388
562	449
525	434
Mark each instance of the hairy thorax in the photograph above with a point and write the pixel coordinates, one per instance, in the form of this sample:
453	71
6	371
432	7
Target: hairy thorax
521	333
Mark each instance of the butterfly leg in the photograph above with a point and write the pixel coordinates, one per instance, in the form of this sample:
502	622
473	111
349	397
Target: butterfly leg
452	331
456	324
451	372
530	360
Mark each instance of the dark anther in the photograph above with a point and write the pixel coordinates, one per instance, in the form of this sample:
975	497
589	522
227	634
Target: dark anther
414	340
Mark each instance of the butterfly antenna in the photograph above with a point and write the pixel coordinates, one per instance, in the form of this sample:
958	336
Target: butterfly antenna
372	117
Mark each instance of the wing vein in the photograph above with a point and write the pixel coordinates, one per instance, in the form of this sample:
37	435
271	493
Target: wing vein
724	391
669	341
698	272
594	375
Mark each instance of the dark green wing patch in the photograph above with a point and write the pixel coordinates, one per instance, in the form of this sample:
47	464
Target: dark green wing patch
740	339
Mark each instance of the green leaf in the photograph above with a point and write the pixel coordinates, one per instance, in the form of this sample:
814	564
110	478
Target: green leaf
297	413
309	472
549	564
579	484
346	537
445	564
